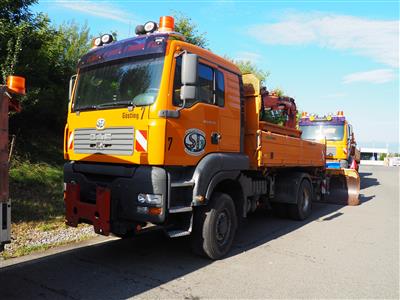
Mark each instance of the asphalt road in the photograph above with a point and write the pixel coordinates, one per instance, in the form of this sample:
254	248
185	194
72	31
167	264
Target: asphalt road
340	252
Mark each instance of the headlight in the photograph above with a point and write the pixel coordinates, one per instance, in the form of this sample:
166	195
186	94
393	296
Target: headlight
150	199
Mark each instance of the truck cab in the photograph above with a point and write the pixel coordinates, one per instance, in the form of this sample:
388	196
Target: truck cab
336	132
143	113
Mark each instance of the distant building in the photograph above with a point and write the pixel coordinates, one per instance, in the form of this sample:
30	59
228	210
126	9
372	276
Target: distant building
371	156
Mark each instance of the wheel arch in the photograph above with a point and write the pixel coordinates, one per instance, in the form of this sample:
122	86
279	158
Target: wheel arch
229	183
214	169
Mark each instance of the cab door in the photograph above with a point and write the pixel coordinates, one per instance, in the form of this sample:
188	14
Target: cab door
189	137
228	102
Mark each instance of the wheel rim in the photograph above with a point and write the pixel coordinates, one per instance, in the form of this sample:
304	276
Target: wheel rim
306	200
222	227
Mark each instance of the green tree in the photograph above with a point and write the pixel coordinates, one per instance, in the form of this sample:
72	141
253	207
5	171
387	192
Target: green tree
278	92
185	26
247	66
46	56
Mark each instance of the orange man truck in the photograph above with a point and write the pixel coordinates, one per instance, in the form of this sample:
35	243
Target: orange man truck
163	133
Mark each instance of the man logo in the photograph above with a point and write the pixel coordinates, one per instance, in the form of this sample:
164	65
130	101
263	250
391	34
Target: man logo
100	124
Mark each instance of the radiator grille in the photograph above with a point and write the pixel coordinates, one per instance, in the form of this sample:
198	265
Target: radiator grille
112	141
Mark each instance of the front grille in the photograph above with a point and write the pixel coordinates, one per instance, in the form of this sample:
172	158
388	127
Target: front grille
330	151
112	141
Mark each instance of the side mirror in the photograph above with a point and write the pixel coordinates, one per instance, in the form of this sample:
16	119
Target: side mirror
71	86
189	69
188	92
189	77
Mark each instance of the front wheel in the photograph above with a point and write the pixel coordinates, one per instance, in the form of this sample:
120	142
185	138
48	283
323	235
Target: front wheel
214	227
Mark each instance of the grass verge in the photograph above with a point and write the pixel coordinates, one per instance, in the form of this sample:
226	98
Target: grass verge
36	192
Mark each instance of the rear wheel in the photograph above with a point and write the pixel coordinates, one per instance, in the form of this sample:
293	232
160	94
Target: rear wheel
214	227
302	209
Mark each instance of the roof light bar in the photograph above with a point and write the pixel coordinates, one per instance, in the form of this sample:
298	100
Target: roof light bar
107	38
150	27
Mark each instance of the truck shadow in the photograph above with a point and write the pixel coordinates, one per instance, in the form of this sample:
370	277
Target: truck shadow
124	268
366	181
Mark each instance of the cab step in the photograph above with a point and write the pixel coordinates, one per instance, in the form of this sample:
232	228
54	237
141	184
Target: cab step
182	184
178	233
179	209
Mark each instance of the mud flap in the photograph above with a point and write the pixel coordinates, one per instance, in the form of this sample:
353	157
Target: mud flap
344	187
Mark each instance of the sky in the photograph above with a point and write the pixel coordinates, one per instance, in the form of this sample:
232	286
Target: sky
328	55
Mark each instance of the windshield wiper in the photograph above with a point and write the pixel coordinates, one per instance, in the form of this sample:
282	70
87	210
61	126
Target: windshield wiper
116	103
90	107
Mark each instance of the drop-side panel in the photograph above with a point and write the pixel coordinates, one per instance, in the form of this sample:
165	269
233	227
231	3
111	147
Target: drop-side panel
285	151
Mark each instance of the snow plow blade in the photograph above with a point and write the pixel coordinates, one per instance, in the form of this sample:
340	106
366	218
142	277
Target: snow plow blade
344	187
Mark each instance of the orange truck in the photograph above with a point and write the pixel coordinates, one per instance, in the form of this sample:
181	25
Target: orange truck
164	134
337	132
15	86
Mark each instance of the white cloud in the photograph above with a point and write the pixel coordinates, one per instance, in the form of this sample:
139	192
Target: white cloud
99	9
375	39
374	76
248	56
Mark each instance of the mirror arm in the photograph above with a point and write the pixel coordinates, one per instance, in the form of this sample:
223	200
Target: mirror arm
180	53
183	105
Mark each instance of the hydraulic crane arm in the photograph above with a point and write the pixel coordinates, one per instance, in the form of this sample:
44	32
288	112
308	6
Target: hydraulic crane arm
284	104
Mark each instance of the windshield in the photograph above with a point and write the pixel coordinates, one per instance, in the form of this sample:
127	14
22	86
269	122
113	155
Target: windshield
133	82
320	132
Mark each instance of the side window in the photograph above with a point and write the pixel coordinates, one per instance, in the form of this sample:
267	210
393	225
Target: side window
220	89
205	89
177	82
211	82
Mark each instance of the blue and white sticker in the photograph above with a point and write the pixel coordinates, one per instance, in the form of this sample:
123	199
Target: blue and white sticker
195	141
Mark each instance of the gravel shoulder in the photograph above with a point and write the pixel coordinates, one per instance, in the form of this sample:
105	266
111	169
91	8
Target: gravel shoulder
30	237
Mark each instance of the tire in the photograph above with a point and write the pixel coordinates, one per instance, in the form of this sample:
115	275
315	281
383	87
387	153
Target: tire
214	227
302	209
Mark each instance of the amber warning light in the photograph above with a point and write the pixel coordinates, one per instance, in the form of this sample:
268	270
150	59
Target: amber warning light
16	84
166	24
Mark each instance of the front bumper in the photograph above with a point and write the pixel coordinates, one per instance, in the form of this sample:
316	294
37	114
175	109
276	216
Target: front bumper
105	195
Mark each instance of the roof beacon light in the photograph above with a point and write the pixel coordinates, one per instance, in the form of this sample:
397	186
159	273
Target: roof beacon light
150	27
16	84
166	24
107	38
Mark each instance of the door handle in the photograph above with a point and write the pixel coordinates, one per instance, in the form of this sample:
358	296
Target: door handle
215	137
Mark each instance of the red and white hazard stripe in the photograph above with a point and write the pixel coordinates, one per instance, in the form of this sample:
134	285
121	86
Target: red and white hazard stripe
141	141
71	140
